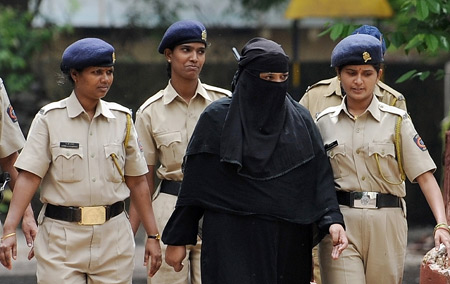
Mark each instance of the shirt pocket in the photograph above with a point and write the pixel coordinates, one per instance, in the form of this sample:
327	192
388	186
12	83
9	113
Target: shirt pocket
114	171
68	164
382	160
170	147
339	161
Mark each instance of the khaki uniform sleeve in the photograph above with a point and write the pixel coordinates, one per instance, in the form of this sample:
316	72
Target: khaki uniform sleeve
144	131
35	156
416	158
11	136
135	164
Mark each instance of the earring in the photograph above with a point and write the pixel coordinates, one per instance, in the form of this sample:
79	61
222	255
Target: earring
339	78
169	61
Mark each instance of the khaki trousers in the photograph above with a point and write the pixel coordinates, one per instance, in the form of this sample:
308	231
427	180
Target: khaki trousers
376	250
163	206
70	253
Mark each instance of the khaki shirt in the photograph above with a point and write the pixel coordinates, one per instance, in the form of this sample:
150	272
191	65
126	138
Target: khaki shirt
165	123
72	154
328	93
360	140
11	136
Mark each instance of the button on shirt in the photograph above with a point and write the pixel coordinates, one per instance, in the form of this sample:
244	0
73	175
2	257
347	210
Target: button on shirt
165	123
11	137
72	154
372	134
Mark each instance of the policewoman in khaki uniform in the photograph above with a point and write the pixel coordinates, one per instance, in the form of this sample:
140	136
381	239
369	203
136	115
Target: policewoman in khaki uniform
84	154
328	92
371	147
12	141
165	123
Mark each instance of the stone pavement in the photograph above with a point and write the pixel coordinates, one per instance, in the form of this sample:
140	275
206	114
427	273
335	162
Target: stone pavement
23	272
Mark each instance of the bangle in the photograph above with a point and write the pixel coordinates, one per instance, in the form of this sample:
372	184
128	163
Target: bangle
156	237
441	226
8	235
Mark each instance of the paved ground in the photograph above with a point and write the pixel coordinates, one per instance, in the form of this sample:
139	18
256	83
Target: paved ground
23	271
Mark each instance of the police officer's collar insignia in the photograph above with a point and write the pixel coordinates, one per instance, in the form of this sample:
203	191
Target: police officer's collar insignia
366	56
204	35
114	57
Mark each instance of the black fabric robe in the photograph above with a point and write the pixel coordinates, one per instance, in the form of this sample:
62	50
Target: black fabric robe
243	214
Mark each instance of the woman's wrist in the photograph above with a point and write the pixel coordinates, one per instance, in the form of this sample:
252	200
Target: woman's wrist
442	226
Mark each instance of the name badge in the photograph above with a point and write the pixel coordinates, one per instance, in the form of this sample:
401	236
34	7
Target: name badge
70	145
330	146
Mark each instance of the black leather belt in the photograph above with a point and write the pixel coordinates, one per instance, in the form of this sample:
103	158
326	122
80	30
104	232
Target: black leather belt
92	215
368	199
170	187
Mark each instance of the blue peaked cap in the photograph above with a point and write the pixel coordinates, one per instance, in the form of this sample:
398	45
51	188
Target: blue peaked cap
357	49
183	32
87	52
373	31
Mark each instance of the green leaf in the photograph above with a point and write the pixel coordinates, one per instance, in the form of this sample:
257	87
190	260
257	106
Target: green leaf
432	42
422	10
439	74
408	75
434	6
328	30
415	41
444	43
336	31
423	75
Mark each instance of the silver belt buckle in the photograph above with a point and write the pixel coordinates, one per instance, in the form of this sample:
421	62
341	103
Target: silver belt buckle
365	200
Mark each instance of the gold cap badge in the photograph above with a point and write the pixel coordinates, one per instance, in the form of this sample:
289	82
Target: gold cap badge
366	56
114	57
204	35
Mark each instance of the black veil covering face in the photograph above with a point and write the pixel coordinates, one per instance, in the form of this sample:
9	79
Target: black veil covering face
261	123
259	152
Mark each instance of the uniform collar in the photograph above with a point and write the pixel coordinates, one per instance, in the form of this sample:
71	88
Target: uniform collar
74	108
373	109
170	93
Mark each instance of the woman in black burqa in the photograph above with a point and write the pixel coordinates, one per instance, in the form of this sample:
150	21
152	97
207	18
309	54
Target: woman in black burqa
257	171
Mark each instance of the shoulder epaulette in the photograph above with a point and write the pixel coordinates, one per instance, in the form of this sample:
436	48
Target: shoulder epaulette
393	110
326	111
116	106
52	106
321	82
217	89
392	91
151	100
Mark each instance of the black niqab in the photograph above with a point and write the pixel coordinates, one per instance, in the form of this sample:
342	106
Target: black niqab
261	123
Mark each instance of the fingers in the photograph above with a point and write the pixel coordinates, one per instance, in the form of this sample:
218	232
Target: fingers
177	267
5	257
153	253
31	253
156	262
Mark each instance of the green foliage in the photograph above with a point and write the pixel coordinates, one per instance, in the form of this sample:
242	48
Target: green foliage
18	43
417	25
421	25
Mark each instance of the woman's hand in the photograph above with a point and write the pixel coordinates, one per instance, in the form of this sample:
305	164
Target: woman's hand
153	251
175	256
340	241
8	249
442	236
